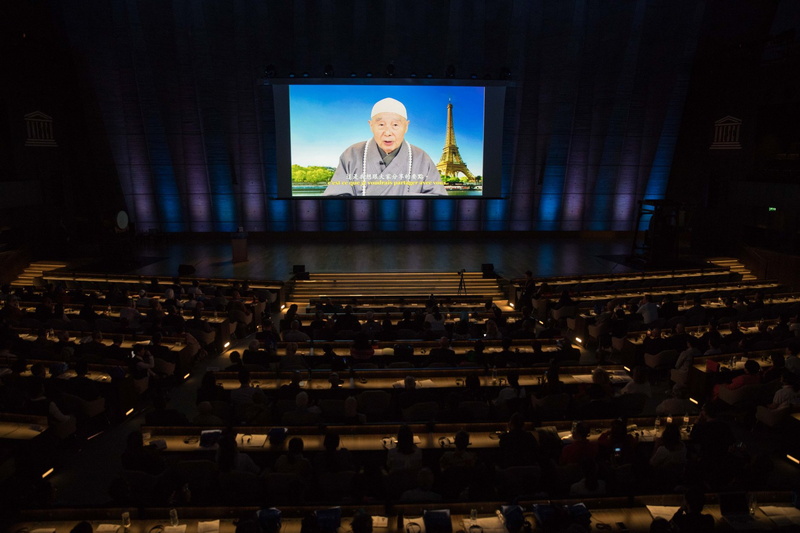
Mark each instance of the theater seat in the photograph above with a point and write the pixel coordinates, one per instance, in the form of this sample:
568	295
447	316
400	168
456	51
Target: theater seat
772	417
740	396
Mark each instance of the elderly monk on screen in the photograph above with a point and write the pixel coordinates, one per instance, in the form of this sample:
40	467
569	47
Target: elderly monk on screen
386	165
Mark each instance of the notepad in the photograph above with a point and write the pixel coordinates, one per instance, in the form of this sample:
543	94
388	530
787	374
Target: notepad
211	526
663	511
251	441
781	516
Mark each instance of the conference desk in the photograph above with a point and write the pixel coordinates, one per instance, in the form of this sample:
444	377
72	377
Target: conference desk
21	427
774	513
175	344
687	292
95	375
376	437
425	378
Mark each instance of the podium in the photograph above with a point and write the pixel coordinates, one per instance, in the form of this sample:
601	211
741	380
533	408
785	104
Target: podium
239	246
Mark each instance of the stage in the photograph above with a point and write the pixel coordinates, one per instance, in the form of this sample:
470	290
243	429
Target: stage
272	256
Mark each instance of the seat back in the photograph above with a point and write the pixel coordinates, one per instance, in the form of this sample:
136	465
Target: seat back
745	394
421	411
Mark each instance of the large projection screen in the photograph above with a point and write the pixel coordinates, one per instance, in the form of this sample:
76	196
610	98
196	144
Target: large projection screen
328	146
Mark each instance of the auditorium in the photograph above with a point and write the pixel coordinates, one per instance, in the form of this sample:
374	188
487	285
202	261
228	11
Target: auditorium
567	299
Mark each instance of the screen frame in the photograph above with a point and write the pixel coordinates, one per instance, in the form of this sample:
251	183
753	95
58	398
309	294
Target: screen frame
494	111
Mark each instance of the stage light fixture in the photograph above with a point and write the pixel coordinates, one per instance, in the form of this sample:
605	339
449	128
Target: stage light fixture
291	74
353	74
305	74
413	74
369	74
429	75
47	473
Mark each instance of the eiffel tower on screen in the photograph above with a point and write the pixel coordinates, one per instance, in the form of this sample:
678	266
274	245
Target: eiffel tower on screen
451	163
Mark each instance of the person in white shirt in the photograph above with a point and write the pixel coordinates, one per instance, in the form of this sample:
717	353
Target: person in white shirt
639	385
787	395
648	309
792	361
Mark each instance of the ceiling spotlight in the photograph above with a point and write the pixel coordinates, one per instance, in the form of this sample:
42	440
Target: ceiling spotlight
305	74
413	74
369	74
429	75
473	76
291	74
328	72
353	74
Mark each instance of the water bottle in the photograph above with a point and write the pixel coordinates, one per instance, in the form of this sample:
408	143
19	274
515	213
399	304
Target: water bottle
173	517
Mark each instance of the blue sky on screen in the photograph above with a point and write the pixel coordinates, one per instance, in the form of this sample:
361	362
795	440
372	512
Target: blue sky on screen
326	119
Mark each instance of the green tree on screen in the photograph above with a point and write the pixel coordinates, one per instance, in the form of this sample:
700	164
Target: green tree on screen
311	175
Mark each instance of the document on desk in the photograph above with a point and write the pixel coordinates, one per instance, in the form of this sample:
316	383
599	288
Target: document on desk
210	526
781	516
251	441
175	529
380	521
662	511
107	528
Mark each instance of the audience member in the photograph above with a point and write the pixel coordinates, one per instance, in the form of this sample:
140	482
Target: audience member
517	446
690	518
405	455
581	448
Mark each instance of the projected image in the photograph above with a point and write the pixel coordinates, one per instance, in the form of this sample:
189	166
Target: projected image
379	140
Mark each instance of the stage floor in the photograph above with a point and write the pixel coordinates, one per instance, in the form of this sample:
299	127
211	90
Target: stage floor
272	256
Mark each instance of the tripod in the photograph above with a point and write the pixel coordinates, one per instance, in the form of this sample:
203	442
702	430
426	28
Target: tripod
462	287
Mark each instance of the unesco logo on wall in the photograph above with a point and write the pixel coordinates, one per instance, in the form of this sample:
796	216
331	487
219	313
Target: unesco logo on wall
726	134
39	129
